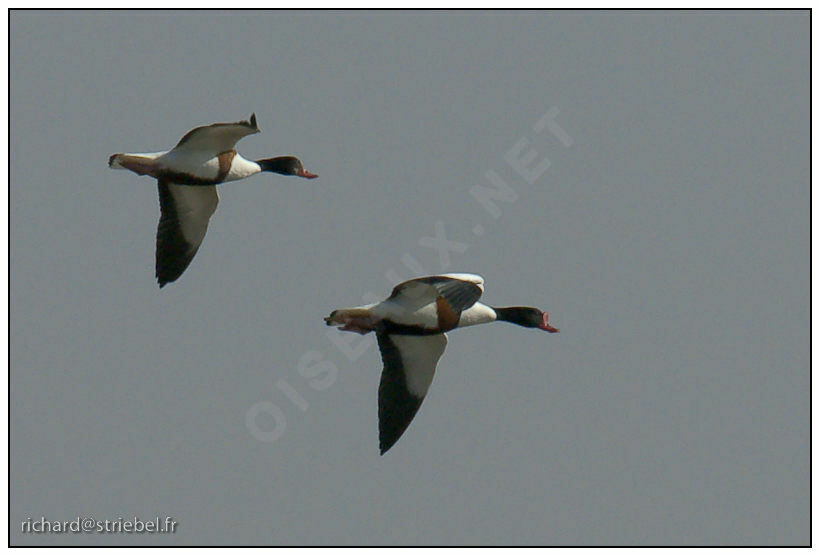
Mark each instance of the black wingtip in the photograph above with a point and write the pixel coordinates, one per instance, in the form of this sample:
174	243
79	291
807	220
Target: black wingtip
162	278
391	430
253	121
385	446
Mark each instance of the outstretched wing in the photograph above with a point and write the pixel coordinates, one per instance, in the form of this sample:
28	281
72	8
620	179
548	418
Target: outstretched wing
217	138
460	291
185	211
409	365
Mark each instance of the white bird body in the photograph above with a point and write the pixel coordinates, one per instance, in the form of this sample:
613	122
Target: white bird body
425	315
204	167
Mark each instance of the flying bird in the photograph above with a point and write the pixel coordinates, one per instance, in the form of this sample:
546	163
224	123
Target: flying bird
187	176
410	327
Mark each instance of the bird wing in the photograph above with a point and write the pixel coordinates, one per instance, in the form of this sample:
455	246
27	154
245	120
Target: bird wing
409	365
460	291
184	214
216	138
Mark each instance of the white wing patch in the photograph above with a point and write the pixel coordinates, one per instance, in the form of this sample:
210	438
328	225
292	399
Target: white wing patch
194	206
419	357
414	295
215	138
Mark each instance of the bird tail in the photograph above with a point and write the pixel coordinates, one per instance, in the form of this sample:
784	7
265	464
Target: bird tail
115	161
340	317
137	163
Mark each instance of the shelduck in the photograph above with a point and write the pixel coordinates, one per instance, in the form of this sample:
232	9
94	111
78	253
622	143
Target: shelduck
187	176
410	327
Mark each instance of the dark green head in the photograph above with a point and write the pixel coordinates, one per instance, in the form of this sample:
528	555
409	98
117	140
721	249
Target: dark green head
285	165
528	317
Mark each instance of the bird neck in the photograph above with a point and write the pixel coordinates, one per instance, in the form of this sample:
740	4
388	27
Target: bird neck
477	314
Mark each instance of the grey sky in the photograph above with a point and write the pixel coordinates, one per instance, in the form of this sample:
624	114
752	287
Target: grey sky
667	238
